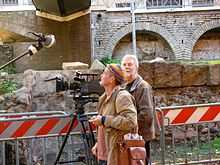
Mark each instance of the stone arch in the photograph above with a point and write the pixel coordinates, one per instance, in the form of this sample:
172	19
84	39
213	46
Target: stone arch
171	40
199	32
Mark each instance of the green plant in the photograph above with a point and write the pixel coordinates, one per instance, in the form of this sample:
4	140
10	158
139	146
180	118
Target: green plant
7	86
10	69
216	143
109	60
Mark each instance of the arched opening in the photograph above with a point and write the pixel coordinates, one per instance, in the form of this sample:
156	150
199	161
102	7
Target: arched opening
207	46
149	46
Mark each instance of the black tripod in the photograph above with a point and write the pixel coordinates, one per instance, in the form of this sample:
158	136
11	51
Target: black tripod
86	132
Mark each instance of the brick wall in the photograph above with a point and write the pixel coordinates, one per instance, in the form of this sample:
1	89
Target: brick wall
181	30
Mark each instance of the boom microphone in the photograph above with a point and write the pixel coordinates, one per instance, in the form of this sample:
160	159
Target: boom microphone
46	41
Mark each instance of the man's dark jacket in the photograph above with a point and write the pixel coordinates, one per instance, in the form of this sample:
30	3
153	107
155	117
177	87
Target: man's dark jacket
142	92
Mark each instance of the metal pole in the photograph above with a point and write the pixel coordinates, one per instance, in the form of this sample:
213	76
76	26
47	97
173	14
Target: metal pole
133	27
92	32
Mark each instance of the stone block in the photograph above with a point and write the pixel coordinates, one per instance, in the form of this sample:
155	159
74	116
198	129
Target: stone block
214	74
74	65
97	65
167	75
147	72
35	82
194	75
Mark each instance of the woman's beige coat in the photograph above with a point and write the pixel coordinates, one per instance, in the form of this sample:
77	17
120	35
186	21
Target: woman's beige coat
121	118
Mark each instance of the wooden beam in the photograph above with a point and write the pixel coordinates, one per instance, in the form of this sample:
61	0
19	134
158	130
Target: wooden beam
62	19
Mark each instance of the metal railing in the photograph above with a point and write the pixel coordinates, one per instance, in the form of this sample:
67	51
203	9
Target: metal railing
39	151
15	2
189	135
178	3
9	2
153	4
163	3
202	3
35	138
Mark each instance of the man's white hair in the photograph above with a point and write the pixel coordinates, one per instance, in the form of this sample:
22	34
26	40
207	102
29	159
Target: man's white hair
131	56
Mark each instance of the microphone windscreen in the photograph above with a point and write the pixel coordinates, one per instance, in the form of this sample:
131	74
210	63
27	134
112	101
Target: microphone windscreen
49	41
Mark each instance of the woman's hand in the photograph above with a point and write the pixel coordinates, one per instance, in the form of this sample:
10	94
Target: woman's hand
94	149
97	120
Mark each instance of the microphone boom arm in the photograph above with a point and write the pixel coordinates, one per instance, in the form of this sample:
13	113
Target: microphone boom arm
13	60
31	50
43	41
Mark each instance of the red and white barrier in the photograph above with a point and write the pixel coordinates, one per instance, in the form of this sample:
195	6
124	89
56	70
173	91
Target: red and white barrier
191	114
39	124
26	125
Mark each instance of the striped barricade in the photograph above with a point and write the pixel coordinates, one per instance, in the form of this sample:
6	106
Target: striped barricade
187	135
190	114
42	127
35	124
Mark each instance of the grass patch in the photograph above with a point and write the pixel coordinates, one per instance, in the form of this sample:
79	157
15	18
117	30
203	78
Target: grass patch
7	86
109	60
205	62
214	62
192	151
216	144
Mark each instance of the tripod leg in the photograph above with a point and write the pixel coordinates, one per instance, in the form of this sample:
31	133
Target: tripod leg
92	134
93	141
65	140
85	140
89	141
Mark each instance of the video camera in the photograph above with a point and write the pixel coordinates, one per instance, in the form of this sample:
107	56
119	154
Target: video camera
84	88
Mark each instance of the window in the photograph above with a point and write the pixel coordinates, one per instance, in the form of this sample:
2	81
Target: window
163	3
200	3
119	5
10	2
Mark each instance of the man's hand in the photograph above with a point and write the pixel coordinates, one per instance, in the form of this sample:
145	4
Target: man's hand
97	120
